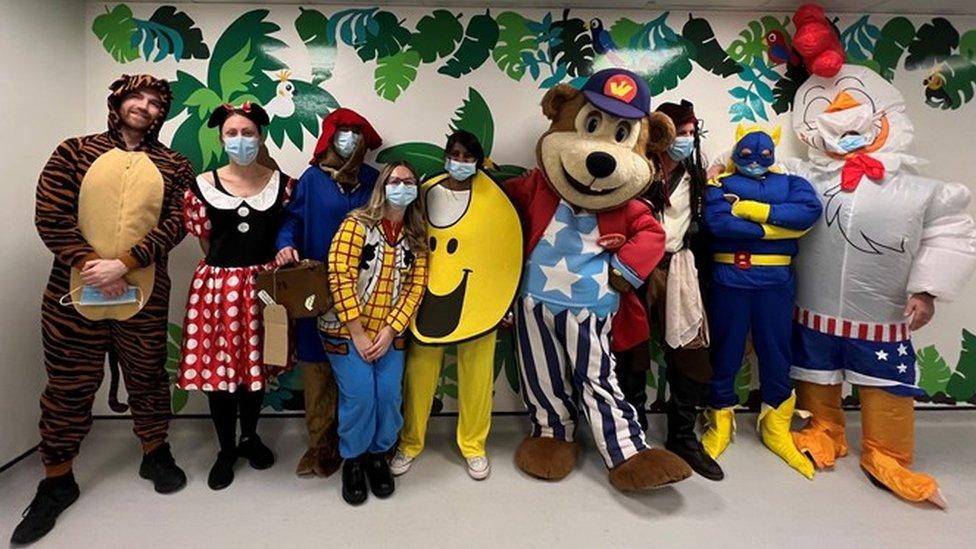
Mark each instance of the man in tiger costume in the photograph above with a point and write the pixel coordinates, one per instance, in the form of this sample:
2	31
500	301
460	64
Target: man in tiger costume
109	208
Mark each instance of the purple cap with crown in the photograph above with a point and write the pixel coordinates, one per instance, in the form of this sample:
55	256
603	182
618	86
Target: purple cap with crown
619	92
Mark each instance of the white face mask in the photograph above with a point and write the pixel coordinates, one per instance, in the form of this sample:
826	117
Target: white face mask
345	143
833	126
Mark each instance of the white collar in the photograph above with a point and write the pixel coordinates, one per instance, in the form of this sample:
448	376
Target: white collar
223	201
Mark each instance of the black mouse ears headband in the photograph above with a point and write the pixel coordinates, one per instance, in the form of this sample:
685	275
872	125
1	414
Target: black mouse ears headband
249	110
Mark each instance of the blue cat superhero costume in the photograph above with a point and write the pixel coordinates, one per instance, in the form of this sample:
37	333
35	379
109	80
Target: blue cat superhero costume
755	214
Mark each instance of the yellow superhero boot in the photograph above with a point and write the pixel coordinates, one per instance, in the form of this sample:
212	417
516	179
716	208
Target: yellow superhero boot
889	440
774	425
718	435
823	439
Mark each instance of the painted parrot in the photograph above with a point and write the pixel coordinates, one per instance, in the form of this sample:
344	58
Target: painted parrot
602	41
778	48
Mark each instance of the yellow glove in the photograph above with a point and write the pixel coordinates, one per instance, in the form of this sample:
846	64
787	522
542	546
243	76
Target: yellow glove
751	210
772	232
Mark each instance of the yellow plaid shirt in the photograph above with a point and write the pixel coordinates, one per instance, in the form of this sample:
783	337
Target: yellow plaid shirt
382	308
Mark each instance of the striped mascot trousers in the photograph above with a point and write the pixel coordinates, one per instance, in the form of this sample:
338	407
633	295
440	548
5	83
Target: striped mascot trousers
566	366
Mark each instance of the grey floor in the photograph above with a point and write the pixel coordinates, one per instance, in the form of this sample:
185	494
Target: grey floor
762	503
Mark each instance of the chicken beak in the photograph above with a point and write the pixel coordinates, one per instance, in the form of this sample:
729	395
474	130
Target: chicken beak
843	101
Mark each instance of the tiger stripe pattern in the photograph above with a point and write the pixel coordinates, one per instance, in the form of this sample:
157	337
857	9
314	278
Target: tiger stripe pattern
75	347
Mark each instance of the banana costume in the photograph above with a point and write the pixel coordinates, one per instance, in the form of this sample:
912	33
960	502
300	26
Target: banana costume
475	264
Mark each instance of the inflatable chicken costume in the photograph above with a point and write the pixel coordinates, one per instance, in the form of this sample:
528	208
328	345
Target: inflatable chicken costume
889	243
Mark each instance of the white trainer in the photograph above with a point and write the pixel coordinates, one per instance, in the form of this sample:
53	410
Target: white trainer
400	463
478	467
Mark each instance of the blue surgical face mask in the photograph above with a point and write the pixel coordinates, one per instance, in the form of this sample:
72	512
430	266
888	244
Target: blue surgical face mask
681	148
345	142
401	195
752	169
242	150
460	171
852	142
92	297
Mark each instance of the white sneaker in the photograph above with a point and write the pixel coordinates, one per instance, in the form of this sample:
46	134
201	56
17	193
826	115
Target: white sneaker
400	463
478	467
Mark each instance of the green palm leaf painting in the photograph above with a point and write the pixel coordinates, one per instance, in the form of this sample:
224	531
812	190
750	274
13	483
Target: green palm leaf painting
167	33
474	116
239	70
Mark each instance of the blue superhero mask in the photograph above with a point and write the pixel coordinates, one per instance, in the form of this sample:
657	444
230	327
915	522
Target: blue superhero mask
754	153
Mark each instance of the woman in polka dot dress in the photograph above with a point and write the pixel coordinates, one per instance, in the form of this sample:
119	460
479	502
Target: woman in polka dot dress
236	212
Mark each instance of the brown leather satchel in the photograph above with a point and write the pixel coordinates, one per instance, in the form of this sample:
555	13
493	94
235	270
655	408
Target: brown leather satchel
303	288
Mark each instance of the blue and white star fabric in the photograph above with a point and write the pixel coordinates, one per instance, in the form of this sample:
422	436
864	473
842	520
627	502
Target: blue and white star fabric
568	270
829	360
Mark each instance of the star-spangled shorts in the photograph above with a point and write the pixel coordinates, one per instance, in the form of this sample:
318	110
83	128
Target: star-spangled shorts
827	359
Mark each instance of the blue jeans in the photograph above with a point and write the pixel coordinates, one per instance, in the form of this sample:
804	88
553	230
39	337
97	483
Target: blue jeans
369	397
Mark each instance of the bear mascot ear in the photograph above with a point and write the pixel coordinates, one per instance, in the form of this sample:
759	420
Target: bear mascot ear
556	98
661	132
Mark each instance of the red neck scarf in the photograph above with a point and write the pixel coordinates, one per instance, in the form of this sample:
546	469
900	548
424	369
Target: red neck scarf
857	167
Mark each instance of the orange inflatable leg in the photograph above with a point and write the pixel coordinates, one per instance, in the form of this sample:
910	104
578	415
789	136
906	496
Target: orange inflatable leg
889	440
823	440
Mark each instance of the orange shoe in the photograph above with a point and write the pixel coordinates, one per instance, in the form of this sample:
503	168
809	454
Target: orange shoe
889	444
888	473
822	441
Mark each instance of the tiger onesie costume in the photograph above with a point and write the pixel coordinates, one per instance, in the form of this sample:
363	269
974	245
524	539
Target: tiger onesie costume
98	199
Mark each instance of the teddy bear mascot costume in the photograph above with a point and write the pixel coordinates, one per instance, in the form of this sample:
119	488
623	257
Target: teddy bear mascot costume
589	243
890	243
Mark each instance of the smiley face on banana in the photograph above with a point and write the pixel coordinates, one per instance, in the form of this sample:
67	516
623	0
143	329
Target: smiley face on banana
475	262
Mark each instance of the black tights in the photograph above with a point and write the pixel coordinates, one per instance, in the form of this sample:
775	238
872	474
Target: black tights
224	408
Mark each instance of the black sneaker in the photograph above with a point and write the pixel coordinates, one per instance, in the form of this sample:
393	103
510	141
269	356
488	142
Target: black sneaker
54	495
354	481
222	473
694	454
378	473
160	467
255	452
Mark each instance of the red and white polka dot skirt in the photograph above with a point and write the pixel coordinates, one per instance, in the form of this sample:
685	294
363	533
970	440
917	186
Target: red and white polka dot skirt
222	332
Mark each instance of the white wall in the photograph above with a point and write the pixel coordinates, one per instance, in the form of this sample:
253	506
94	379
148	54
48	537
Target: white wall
43	69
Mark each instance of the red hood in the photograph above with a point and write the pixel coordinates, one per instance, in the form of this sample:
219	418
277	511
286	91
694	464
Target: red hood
344	117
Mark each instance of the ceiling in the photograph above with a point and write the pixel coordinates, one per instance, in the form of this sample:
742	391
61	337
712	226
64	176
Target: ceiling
940	7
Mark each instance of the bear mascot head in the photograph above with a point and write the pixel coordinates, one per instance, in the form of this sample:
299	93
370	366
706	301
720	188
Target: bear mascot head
594	153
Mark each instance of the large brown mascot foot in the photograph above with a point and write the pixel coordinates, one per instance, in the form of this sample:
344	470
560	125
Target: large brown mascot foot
546	458
648	469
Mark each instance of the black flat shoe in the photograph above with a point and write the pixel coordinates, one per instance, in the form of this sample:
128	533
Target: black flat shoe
354	481
222	473
378	473
694	454
54	495
255	452
160	467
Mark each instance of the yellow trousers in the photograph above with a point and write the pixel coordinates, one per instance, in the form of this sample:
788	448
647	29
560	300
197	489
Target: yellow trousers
475	378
